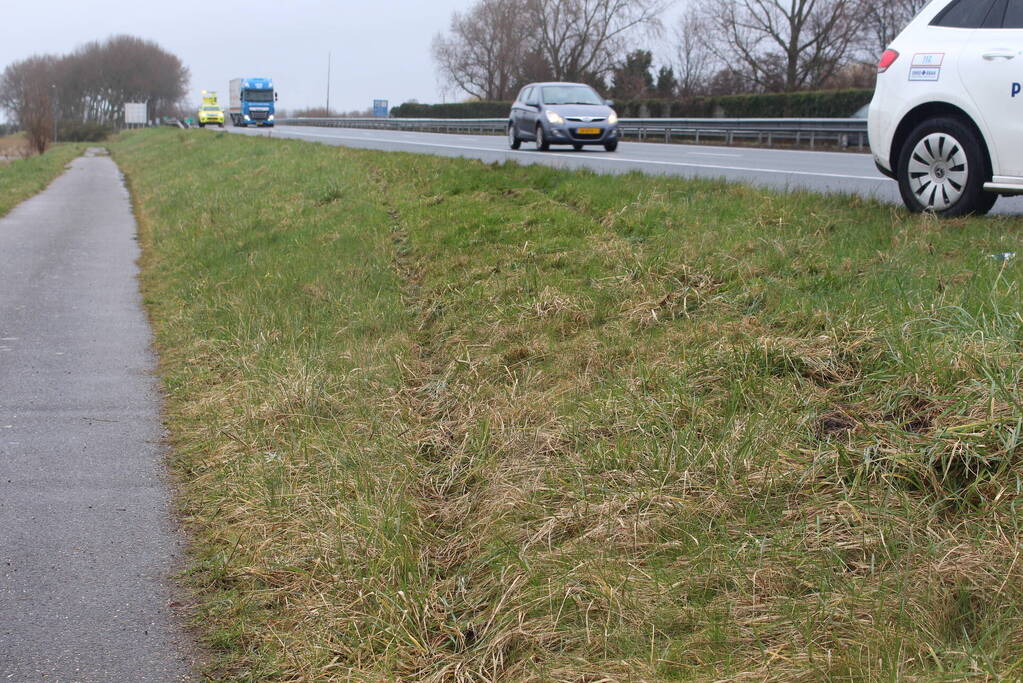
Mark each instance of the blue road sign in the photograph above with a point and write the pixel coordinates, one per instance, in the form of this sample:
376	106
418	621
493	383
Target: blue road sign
380	108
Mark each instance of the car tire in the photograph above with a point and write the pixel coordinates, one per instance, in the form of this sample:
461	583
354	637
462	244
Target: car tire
541	140
513	140
611	146
202	125
577	147
941	170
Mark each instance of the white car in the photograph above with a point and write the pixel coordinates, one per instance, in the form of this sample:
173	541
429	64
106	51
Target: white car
946	120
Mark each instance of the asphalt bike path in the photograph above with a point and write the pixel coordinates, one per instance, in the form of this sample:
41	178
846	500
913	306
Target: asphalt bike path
87	539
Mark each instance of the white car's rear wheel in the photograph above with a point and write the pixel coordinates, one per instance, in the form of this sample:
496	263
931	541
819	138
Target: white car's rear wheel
938	170
941	170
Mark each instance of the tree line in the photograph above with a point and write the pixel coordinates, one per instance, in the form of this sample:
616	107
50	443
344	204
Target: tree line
716	47
90	86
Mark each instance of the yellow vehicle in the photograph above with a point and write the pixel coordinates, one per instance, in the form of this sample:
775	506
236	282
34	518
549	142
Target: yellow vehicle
210	111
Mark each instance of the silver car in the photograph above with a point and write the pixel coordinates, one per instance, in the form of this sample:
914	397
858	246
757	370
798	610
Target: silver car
562	114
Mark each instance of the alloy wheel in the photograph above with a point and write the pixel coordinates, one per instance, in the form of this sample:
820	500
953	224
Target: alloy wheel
938	171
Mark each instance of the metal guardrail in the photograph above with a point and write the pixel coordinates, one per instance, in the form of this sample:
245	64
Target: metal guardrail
809	132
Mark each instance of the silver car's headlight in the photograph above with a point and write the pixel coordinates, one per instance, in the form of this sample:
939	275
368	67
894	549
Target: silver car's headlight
613	118
554	117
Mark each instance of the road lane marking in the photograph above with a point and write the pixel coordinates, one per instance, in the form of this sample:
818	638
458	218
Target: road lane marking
619	160
712	154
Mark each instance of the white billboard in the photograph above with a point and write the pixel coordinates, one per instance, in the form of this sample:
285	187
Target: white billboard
135	113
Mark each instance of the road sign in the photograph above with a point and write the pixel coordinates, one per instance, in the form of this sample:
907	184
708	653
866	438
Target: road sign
380	108
135	113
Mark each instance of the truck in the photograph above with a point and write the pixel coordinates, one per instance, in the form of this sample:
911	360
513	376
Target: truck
252	102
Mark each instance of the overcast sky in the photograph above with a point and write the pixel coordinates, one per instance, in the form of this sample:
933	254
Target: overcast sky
381	49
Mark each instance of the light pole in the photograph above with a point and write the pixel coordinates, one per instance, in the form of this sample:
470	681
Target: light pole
328	83
53	106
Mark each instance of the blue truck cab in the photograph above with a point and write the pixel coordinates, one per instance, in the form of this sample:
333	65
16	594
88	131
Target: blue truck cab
252	102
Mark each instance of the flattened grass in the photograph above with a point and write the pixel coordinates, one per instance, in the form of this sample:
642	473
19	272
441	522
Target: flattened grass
437	420
22	178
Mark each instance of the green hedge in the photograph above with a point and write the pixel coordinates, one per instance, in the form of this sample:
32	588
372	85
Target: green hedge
83	132
452	110
822	104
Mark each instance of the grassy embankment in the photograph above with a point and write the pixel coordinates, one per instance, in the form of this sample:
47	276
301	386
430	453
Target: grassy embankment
437	420
22	178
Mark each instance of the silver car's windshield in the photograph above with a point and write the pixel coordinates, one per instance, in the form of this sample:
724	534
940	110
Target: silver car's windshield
570	94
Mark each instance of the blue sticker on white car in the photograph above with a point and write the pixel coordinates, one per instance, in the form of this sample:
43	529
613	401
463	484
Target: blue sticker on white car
926	66
917	73
1016	88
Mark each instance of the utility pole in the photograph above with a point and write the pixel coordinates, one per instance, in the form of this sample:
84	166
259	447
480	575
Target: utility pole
53	107
328	84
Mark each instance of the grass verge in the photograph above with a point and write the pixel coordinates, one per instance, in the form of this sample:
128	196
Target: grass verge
22	178
438	420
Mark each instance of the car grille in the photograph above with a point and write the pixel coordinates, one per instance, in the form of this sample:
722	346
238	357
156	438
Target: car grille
584	119
259	115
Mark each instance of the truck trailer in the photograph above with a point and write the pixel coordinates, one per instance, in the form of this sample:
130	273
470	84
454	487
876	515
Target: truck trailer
252	102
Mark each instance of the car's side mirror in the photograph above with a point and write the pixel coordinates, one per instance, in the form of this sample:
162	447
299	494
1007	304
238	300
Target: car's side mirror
275	97
609	103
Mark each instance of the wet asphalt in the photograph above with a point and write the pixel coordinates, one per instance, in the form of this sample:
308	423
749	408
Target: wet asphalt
88	543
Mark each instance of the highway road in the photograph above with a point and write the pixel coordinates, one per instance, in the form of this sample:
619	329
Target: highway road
827	172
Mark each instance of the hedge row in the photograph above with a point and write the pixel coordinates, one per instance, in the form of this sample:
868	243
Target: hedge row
83	132
452	110
822	104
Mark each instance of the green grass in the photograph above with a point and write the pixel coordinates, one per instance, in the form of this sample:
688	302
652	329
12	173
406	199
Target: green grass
22	178
438	420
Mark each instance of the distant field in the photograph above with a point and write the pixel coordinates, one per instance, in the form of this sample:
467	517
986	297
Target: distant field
22	178
439	420
13	147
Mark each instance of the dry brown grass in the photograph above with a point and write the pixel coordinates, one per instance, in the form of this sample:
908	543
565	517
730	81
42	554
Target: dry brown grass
13	147
479	423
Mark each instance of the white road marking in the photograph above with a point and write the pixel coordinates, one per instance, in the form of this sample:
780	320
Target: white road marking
619	160
712	154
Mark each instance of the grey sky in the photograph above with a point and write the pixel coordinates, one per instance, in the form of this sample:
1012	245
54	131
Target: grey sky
380	49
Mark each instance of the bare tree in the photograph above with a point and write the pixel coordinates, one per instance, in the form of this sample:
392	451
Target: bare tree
785	45
27	91
484	52
580	39
883	21
694	60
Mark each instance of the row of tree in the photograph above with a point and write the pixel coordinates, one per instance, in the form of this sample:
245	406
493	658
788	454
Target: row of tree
717	47
91	86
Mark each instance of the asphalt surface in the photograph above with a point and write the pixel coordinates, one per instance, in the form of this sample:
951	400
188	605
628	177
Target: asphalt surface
87	539
825	172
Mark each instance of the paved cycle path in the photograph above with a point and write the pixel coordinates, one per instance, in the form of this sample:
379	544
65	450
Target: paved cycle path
87	539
